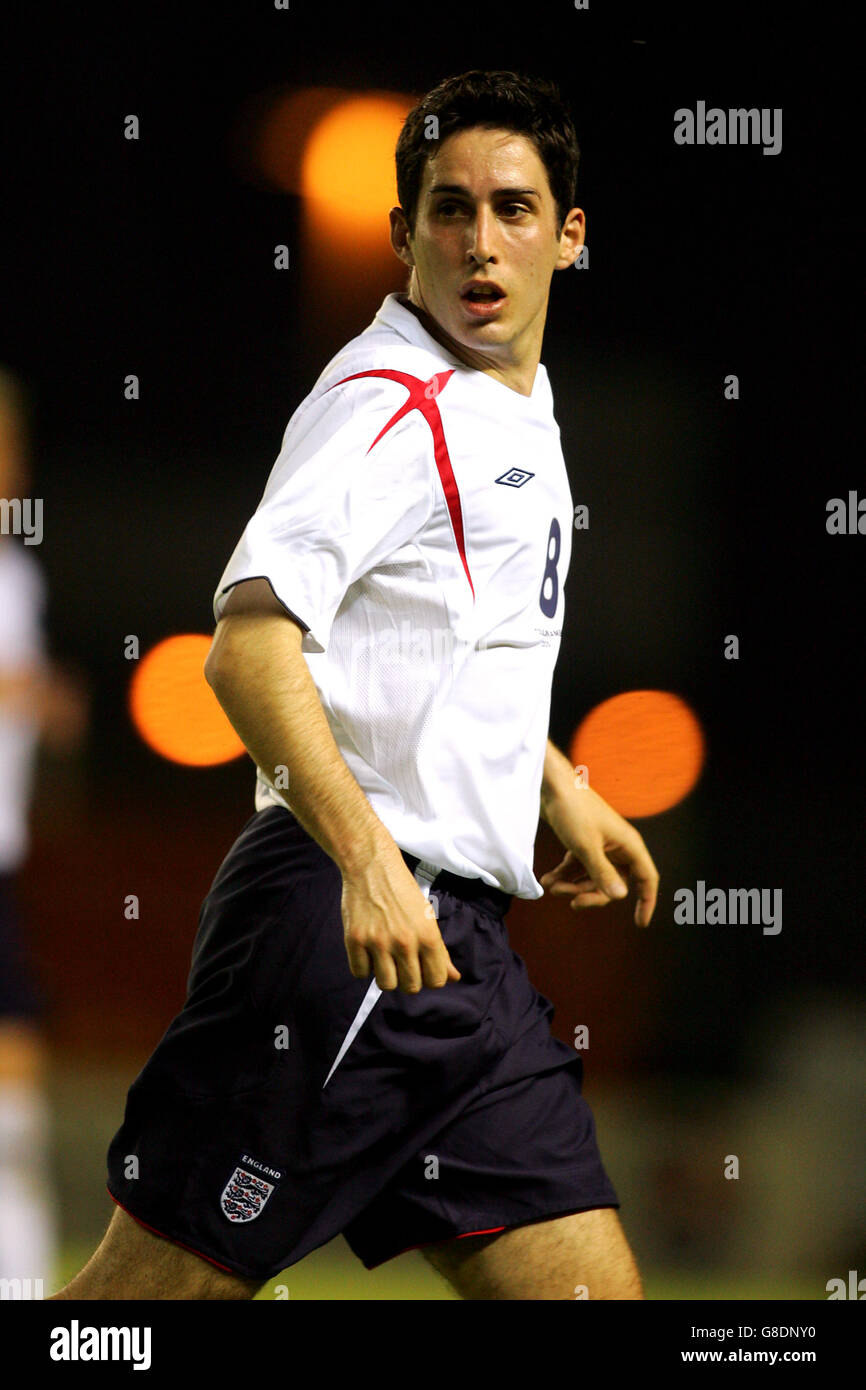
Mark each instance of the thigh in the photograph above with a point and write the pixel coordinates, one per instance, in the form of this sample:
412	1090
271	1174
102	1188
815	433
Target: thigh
584	1255
132	1262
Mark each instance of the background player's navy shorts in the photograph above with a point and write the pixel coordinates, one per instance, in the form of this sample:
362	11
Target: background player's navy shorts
289	1101
20	997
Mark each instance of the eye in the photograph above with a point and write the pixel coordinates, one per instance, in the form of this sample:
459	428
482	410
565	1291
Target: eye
515	207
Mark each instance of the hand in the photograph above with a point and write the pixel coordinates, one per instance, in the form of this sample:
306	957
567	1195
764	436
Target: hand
390	927
597	839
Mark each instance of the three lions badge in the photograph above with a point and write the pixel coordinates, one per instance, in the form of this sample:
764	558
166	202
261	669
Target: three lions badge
246	1193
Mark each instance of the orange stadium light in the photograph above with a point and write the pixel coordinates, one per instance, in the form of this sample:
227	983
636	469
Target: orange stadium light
643	751
333	148
348	164
272	131
174	709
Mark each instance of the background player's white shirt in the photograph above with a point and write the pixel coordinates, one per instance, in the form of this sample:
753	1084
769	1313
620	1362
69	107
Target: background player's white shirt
420	528
22	600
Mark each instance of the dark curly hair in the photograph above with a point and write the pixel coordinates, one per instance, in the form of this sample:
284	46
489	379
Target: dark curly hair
530	106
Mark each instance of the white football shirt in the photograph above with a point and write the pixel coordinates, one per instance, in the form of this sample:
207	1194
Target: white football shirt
417	522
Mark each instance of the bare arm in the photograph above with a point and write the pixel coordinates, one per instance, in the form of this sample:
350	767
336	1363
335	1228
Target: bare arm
557	778
598	841
260	677
54	697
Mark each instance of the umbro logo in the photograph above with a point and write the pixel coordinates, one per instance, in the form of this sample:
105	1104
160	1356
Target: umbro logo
515	477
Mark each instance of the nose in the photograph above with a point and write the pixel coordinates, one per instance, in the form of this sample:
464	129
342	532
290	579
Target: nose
481	235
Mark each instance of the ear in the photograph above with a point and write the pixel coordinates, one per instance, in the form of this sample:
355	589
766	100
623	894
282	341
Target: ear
401	236
571	238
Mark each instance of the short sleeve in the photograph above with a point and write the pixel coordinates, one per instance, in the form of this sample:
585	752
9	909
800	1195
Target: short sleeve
348	489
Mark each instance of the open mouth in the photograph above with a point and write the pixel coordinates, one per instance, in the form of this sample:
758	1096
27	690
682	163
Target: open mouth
482	298
483	293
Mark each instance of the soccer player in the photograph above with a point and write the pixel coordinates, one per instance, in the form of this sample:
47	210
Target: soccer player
360	1050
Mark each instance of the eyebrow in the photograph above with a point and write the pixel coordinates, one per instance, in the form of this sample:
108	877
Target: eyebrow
458	188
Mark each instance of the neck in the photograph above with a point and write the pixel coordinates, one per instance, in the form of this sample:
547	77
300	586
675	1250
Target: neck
518	376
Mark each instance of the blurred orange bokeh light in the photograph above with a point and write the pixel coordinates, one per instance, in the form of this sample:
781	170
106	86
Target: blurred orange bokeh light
348	164
643	751
174	709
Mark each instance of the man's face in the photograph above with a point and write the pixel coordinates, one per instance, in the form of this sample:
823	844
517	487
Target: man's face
486	213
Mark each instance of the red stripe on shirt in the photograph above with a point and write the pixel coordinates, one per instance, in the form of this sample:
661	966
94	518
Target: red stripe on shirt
422	397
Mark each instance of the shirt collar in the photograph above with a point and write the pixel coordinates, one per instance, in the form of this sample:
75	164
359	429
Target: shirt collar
395	314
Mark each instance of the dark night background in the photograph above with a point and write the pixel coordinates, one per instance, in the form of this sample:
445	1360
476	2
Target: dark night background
707	516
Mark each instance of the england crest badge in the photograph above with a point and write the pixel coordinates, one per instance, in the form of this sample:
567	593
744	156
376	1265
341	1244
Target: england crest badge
245	1195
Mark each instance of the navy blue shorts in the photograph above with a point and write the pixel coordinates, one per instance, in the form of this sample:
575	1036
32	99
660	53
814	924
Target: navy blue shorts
289	1101
20	997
